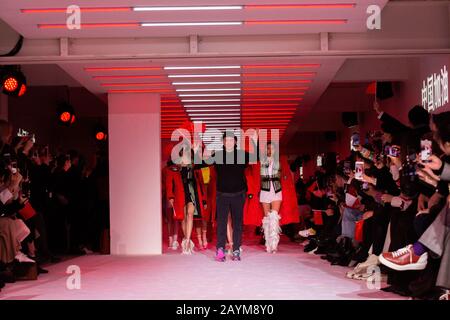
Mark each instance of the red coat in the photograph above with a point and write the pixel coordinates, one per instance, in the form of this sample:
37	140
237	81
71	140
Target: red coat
289	211
175	190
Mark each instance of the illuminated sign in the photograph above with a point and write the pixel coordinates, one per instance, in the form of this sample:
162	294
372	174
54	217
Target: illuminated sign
435	90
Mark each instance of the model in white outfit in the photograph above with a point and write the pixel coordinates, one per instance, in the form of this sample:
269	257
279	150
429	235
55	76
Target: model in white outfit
270	198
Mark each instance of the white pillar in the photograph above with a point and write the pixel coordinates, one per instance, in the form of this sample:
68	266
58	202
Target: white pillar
135	173
3	106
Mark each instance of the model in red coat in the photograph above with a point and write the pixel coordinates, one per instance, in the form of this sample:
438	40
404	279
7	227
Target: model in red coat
273	181
187	198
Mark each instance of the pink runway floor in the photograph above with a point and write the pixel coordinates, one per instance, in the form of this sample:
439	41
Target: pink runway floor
289	274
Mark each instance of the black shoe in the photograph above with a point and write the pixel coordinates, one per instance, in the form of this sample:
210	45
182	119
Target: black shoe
41	271
7	277
310	246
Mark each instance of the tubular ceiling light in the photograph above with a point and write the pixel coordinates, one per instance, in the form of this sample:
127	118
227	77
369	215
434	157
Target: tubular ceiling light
211	95
201	67
221	121
271	99
187	8
303	74
91	25
301	6
214	115
140	91
83	10
276	66
131	77
135	84
210	105
276	81
219	100
271	88
122	69
202	83
211	110
215	118
284	22
208	89
191	24
203	75
268	104
294	94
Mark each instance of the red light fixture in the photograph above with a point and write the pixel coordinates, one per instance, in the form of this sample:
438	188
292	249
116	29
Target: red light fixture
13	81
66	114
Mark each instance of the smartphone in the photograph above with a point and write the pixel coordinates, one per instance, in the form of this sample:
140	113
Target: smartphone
359	169
319	160
426	150
392	151
347	167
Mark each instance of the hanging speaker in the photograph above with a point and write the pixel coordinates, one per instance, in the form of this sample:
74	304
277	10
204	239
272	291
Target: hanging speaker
350	119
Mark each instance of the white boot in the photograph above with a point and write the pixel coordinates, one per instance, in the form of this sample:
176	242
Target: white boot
272	230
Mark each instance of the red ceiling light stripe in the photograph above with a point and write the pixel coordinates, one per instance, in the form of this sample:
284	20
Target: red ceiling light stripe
269	104
271	88
92	25
276	66
123	69
130	77
284	22
273	99
302	74
301	6
83	10
140	91
135	84
245	82
294	94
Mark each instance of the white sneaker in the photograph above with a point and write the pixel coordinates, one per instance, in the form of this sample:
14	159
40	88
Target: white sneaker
175	245
306	233
445	296
21	257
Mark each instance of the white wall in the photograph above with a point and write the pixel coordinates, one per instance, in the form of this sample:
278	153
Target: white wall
135	173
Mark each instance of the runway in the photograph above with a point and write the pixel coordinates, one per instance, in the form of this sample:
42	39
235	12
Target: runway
289	274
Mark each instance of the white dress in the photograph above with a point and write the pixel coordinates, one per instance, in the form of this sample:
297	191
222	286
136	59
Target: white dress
270	196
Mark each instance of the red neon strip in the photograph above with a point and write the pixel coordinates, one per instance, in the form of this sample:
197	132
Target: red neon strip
135	84
92	25
123	69
290	66
275	94
271	88
139	91
303	74
129	77
267	114
284	22
83	10
275	82
302	6
273	99
269	104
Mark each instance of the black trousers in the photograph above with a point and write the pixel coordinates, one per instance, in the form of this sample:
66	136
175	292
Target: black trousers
229	203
